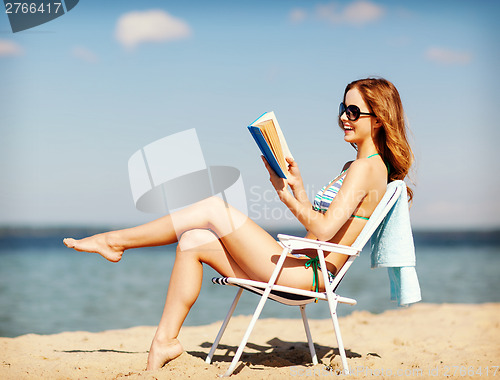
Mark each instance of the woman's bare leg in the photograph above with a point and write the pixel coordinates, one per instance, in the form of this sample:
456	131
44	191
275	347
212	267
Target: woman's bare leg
242	249
195	248
198	247
211	213
251	247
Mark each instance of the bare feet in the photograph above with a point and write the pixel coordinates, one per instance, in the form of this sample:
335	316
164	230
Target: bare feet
161	353
101	244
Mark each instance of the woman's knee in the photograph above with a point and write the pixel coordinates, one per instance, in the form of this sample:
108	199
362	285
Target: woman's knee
213	206
222	217
196	238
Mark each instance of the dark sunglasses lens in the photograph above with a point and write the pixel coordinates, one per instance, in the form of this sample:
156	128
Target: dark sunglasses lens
353	113
341	109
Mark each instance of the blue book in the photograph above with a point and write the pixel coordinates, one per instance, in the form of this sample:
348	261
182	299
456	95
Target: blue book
271	142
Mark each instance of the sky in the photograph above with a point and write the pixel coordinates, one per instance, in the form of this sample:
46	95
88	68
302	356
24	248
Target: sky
80	94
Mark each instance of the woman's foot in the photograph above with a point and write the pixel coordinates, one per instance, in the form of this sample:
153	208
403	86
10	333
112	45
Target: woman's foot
102	244
161	353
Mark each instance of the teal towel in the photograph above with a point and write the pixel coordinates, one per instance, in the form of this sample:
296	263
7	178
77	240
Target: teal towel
392	247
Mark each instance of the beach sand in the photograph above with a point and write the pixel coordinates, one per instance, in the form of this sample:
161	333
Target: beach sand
424	341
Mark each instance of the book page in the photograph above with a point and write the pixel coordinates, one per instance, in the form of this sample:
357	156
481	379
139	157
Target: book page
270	134
284	146
273	136
271	116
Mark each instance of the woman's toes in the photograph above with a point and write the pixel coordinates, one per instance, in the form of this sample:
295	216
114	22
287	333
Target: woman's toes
69	242
97	244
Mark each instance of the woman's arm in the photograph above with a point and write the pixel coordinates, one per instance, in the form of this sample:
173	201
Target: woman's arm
359	180
294	180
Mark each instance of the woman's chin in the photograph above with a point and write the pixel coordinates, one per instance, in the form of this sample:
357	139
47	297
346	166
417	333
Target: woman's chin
348	138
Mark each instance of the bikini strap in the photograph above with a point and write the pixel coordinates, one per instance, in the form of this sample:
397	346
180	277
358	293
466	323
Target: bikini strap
386	162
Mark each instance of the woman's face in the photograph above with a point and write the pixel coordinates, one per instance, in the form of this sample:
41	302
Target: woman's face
356	131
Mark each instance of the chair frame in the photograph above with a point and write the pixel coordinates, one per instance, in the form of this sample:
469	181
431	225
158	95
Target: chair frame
274	291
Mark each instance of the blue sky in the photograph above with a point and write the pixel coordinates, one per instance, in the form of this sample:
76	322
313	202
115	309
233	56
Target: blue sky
80	94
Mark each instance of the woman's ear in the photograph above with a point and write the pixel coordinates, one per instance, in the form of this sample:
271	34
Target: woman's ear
377	124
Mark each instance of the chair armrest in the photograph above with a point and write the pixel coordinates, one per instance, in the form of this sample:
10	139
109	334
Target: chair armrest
295	242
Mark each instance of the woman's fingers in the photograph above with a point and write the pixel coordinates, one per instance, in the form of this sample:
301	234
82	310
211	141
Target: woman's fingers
268	167
292	164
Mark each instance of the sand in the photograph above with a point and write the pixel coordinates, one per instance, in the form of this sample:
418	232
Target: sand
424	341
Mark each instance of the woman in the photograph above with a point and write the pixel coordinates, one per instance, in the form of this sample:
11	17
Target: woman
371	116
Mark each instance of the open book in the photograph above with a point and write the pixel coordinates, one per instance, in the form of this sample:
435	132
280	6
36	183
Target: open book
268	135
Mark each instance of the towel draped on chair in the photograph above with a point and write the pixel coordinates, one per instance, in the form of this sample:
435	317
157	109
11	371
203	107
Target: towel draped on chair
392	247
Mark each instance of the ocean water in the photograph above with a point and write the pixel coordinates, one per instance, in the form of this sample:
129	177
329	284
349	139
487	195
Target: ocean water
46	288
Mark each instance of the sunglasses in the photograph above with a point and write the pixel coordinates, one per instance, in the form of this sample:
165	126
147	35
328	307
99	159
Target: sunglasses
352	112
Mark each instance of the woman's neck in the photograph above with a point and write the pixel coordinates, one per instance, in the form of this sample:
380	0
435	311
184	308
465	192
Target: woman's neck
366	150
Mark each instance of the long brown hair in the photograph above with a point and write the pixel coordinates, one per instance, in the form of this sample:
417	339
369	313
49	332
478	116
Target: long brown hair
391	140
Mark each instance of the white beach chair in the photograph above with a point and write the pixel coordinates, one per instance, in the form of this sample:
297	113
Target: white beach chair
298	297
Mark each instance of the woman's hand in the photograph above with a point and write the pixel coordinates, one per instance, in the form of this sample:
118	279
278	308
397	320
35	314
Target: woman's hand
294	179
279	184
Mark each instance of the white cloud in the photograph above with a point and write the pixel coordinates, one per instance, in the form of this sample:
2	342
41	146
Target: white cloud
447	56
329	12
9	48
357	13
297	15
84	54
134	28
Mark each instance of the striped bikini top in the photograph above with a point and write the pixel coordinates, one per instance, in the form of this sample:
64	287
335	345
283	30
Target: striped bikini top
325	196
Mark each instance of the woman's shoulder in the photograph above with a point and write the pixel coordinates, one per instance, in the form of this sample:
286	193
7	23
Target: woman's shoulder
360	164
365	169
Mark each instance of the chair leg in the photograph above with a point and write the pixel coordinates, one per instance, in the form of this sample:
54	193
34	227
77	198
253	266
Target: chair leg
208	360
332	305
250	327
333	312
258	310
308	334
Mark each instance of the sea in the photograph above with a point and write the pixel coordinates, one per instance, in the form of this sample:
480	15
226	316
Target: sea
46	288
